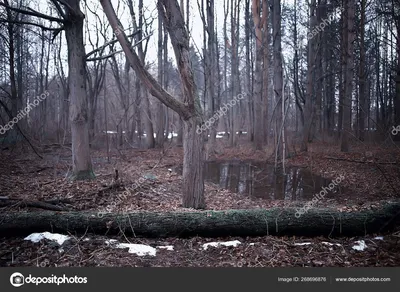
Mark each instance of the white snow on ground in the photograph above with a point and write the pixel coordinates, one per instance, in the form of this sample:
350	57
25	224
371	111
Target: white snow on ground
36	237
167	247
233	243
360	245
302	243
138	249
331	244
379	238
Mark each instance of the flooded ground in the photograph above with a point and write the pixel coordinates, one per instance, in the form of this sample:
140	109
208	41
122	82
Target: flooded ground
259	180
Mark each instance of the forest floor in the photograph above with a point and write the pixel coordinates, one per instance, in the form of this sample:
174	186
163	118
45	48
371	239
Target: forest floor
371	174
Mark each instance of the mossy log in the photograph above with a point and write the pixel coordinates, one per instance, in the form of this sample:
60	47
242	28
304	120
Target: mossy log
257	222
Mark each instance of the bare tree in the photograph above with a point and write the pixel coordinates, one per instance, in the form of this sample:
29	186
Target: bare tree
189	110
259	24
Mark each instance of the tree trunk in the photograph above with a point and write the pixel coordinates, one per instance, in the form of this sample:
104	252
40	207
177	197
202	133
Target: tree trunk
258	120
193	162
258	222
160	116
265	83
397	98
344	147
278	74
308	112
362	85
81	162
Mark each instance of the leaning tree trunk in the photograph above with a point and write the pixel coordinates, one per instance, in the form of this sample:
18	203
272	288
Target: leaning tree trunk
193	180
259	222
81	162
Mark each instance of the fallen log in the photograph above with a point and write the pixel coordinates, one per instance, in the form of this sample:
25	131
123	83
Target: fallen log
258	222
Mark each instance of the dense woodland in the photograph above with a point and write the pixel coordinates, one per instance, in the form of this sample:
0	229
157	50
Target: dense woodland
133	81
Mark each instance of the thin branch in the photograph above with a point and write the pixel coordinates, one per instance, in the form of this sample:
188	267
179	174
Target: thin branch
28	23
33	13
103	57
59	9
114	53
111	43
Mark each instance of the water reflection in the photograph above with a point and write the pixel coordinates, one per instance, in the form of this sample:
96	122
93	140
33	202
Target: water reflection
259	180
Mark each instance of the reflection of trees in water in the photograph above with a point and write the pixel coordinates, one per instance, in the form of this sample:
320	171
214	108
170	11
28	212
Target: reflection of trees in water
258	180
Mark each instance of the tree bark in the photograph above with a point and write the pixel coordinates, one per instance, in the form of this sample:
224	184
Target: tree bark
81	161
362	85
347	104
309	112
258	120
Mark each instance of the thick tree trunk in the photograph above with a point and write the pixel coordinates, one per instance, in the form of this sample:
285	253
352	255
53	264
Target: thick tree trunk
308	111
148	123
278	74
193	162
259	222
81	162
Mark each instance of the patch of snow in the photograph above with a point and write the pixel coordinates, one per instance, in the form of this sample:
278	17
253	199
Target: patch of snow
233	243
331	244
138	249
360	245
302	243
379	238
251	244
167	247
36	237
86	239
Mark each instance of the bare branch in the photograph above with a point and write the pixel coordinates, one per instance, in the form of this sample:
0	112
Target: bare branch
33	13
104	57
59	9
110	43
148	80
28	23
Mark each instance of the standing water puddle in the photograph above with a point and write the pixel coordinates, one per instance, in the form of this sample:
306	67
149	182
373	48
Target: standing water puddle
259	180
